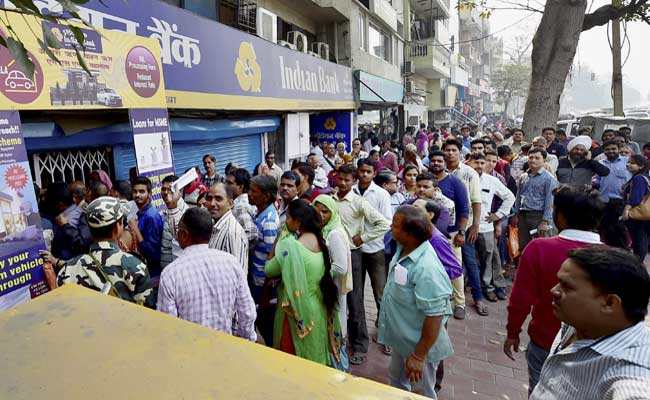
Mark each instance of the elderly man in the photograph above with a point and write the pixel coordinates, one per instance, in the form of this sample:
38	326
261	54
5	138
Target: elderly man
415	306
204	285
577	169
551	160
602	350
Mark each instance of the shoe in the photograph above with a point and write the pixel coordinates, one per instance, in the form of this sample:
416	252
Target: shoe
501	294
459	312
357	358
481	308
491	296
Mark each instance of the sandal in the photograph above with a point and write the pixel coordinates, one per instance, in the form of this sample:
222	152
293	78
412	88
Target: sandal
357	358
481	308
387	349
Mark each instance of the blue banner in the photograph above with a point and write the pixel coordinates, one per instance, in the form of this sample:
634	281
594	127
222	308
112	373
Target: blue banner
21	233
209	65
153	148
332	127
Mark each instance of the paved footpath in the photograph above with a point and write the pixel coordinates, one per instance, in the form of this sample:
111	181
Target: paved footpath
478	370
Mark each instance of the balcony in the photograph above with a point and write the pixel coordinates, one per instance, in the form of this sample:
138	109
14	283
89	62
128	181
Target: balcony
471	54
430	58
430	9
470	20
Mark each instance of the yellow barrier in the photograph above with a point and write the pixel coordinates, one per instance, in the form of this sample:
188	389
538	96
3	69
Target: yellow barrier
74	343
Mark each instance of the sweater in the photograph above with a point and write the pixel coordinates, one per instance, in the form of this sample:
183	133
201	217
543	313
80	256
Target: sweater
536	275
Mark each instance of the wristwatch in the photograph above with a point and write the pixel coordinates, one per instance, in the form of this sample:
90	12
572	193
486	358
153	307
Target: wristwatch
461	232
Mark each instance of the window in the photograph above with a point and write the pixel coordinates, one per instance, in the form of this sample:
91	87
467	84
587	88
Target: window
379	43
362	31
205	8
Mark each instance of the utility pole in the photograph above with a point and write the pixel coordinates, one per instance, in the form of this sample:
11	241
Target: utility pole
617	69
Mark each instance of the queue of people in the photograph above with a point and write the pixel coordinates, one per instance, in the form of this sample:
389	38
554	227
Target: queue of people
281	257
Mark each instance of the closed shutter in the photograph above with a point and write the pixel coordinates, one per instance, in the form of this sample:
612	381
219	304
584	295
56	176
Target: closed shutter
245	151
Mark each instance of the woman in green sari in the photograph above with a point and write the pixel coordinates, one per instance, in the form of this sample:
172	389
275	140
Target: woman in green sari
306	322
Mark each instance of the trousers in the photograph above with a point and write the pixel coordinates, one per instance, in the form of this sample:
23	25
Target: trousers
398	378
357	328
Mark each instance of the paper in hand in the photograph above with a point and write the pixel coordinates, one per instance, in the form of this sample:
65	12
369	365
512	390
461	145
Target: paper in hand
187	178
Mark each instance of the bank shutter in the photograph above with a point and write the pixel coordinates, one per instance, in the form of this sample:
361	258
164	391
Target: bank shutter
245	151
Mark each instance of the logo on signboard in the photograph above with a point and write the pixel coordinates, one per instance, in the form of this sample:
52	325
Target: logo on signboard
330	124
14	84
92	40
247	70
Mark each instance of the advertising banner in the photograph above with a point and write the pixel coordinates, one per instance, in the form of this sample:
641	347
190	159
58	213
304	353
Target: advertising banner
125	70
333	127
209	65
21	234
153	147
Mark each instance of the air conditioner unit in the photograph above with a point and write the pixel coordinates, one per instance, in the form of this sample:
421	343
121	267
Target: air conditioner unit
267	25
287	44
410	86
409	68
323	49
299	40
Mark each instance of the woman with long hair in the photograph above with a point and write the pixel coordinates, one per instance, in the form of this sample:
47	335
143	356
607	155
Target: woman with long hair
634	192
409	184
306	321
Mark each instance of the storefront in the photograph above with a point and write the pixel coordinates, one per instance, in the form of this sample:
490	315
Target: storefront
228	92
379	104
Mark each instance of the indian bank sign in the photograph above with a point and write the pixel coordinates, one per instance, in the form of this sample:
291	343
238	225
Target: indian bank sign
296	77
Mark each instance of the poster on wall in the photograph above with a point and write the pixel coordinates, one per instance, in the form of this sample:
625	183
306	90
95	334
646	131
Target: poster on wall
153	147
332	127
124	71
21	234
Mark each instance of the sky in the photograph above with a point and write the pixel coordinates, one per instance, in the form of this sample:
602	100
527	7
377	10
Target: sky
593	49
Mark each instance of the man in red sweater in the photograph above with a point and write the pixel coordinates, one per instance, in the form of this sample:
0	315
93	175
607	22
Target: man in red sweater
577	211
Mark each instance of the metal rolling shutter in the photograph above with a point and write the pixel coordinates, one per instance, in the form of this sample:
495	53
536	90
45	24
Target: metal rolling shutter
243	150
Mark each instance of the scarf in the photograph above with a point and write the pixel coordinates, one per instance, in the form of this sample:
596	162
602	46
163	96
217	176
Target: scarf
106	180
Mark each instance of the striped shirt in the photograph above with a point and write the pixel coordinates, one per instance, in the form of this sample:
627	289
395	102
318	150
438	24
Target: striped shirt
612	367
268	224
229	236
244	213
206	286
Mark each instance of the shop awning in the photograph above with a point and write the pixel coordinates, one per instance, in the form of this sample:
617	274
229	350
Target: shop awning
375	89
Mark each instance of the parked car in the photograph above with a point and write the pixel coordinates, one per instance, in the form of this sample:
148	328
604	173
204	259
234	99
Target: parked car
640	126
109	98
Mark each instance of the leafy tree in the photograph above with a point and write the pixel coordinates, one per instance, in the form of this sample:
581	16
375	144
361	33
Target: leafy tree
11	40
510	81
555	44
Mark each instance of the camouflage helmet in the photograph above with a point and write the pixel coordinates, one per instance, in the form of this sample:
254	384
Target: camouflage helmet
105	211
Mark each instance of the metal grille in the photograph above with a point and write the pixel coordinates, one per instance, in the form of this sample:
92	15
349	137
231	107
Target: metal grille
69	165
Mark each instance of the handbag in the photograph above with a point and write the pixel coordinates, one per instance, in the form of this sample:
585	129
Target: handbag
641	212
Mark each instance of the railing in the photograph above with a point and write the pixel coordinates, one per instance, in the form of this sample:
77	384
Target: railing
461	119
429	48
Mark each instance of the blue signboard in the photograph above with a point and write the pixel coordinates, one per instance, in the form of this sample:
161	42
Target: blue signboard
208	65
153	148
21	233
332	127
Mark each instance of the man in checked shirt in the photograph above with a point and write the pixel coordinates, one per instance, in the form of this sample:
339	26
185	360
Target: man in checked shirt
205	285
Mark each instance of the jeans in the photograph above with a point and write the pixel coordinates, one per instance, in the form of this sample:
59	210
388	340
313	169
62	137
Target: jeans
491	272
639	234
398	378
357	329
503	244
535	356
458	284
471	268
375	265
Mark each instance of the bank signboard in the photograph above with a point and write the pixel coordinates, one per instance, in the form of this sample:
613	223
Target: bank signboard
208	65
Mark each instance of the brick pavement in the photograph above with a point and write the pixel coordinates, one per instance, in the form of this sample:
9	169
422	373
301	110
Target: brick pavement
478	370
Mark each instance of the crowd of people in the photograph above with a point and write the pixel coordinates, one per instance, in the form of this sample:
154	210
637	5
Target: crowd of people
285	254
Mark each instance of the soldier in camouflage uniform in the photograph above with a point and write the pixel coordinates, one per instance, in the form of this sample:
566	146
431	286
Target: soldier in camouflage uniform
128	275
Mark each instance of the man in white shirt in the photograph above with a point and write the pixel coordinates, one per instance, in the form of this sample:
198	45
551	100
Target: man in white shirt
227	234
373	256
274	169
206	286
320	177
315	147
363	224
492	281
329	158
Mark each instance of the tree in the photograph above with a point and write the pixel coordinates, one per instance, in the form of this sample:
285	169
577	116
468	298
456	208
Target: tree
554	47
510	81
11	40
